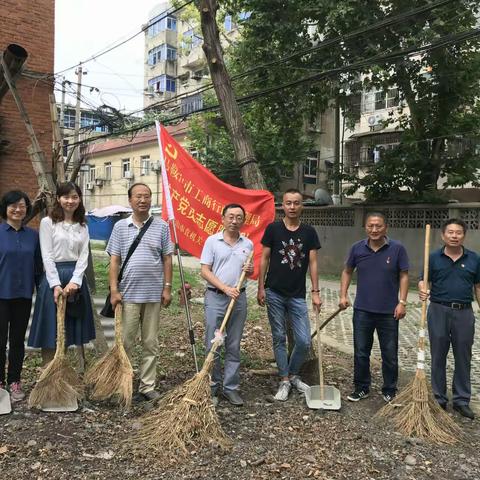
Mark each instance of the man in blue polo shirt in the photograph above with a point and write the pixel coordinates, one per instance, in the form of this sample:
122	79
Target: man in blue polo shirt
454	274
382	276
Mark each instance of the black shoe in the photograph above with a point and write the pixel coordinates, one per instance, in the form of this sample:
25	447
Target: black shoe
357	395
151	396
233	397
464	411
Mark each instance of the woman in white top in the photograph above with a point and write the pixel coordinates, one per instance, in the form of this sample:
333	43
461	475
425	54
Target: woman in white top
64	243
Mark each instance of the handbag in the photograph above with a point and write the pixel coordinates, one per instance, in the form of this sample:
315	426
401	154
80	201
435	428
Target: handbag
107	310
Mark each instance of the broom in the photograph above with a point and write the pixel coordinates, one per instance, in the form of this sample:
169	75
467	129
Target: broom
415	411
59	384
185	415
112	375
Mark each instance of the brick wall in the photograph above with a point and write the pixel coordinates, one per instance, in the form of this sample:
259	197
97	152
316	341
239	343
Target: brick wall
29	24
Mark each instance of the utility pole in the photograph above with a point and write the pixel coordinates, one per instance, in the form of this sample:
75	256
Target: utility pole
76	134
336	155
62	107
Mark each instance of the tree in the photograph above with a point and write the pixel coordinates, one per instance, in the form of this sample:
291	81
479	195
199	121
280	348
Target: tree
438	90
252	176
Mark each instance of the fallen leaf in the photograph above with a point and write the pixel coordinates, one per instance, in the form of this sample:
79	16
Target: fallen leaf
3	449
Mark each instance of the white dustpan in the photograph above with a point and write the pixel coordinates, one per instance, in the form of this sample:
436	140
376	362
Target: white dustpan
5	403
322	396
71	407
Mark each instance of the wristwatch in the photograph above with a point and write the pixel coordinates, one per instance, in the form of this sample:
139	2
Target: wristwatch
167	284
403	302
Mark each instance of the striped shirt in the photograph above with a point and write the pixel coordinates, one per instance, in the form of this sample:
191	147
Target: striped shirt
142	280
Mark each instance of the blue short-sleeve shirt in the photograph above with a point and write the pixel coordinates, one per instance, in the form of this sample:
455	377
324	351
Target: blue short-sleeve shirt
453	281
378	275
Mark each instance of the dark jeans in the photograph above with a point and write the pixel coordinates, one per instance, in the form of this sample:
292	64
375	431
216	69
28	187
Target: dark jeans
14	315
364	325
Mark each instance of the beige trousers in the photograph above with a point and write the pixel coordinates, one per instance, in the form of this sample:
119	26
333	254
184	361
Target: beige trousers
147	317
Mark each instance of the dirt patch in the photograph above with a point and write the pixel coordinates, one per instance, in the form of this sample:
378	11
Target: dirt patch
270	440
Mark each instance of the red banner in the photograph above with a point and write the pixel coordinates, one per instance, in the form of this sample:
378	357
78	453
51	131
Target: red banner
198	198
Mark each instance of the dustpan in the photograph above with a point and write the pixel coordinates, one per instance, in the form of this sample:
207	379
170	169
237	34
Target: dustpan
324	397
5	403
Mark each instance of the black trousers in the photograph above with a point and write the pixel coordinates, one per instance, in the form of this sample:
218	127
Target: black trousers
14	316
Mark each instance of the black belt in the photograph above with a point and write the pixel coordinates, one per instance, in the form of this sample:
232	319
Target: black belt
221	292
454	305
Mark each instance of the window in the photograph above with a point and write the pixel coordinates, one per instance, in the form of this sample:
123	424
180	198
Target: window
161	53
310	168
387	99
159	24
192	103
162	83
228	23
145	165
69	119
108	170
191	40
92	174
126	168
65	148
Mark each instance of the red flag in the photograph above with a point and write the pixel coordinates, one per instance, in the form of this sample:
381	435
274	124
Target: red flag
198	198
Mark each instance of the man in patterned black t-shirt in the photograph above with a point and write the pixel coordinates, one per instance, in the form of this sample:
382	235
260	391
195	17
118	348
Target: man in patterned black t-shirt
289	250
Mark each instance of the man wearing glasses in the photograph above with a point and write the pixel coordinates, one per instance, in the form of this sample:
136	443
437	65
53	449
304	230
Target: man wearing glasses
382	278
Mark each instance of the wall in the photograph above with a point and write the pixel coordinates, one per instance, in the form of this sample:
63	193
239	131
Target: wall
339	227
31	25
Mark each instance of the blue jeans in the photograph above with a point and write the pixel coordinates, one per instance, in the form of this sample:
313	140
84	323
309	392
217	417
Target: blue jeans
279	308
364	324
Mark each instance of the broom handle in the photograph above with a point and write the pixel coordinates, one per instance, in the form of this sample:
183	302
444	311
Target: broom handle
324	324
230	306
320	354
426	258
61	307
118	324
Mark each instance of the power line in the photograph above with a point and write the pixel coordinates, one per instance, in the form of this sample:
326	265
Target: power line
412	51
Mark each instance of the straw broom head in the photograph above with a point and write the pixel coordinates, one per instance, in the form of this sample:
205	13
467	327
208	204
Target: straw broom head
416	413
111	376
185	416
58	384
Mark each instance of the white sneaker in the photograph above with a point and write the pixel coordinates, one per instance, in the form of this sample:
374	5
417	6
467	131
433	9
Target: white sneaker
283	391
298	384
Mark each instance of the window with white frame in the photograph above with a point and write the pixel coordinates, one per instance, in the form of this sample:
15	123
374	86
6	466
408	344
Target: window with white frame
190	40
161	53
107	167
162	83
92	173
380	100
145	165
311	165
126	168
160	24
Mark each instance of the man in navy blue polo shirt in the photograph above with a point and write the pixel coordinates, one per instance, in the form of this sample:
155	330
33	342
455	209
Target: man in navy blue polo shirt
382	276
454	274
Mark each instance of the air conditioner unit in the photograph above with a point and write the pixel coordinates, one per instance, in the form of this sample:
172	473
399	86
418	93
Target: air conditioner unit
374	120
128	175
99	181
90	185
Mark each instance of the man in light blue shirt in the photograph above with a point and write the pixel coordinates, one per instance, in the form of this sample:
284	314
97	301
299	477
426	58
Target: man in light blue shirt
223	259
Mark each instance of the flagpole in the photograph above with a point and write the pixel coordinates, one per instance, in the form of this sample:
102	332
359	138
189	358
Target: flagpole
171	219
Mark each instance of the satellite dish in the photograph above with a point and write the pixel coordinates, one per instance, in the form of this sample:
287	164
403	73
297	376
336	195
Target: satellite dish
322	197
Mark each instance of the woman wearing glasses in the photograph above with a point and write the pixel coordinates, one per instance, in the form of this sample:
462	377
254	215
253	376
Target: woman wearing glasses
20	268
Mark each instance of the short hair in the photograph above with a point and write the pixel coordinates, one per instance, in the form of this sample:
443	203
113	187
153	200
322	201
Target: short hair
57	215
376	214
136	185
455	221
13	196
293	190
233	205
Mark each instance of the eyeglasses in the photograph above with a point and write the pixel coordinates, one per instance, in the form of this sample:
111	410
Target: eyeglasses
17	207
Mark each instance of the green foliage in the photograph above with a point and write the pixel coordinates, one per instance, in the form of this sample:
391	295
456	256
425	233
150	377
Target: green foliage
439	90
